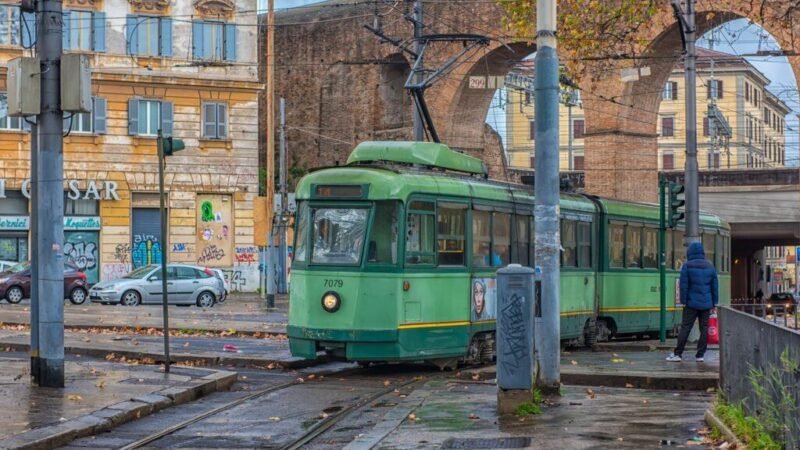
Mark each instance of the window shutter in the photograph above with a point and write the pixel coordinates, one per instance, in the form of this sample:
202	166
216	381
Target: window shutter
709	90
28	29
198	52
65	30
99	31
209	120
705	126
166	118
222	120
99	113
133	116
132	35
674	90
532	132
165	36
719	89
230	42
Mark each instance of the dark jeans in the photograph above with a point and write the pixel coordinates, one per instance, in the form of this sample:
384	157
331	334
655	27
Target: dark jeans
689	316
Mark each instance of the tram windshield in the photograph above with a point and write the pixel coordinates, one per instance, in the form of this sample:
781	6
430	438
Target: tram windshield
338	235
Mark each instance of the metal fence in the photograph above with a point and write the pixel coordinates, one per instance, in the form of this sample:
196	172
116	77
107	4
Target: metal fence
785	315
753	352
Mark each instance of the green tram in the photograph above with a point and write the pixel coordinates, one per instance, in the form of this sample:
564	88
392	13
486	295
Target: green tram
396	252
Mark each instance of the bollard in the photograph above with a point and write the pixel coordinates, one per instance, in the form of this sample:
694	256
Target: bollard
515	331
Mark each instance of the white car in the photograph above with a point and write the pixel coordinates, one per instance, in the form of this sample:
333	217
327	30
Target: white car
186	285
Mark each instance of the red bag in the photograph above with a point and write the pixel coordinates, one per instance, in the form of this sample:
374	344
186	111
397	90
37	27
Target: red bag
713	330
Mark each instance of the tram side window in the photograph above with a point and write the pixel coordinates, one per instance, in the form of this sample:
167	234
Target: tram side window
584	244
521	239
617	243
720	242
420	233
633	238
569	257
650	253
452	218
382	246
680	249
708	247
501	239
481	238
301	233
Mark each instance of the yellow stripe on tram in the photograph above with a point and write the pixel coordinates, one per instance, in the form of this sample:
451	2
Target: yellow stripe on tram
406	326
669	308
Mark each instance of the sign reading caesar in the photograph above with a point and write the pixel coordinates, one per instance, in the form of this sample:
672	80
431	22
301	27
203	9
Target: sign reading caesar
93	189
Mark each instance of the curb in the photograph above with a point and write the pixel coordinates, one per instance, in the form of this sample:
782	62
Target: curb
105	419
281	329
233	361
637	347
715	422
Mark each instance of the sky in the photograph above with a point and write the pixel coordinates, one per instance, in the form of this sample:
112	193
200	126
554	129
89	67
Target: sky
736	37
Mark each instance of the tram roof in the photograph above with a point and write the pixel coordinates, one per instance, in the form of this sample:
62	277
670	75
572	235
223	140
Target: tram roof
624	209
428	154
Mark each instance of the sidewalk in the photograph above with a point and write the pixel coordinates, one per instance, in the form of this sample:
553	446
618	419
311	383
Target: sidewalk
98	395
244	313
262	352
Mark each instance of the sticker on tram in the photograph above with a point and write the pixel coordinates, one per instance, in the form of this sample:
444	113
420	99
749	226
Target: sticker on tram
483	299
334	283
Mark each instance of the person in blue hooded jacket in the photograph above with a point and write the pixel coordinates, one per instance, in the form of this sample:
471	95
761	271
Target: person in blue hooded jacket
699	294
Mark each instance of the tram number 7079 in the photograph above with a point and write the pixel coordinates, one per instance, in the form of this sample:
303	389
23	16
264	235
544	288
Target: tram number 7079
334	283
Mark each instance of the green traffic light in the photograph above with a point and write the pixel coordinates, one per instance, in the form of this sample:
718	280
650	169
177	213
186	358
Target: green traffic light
675	216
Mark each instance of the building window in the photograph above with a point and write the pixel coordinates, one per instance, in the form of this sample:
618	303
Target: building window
7	122
532	131
215	120
577	162
578	128
79	206
667	162
747	91
149	35
9	25
670	91
215	41
145	117
668	126
91	122
527	98
84	30
715	89
533	162
705	126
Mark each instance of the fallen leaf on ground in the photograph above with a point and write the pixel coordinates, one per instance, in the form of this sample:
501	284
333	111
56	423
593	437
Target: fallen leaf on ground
573	362
628	385
614	355
186	344
474	417
275	418
324	415
412	417
74	397
617	360
620	439
300	380
386	382
311	377
590	393
86	339
476	376
100	384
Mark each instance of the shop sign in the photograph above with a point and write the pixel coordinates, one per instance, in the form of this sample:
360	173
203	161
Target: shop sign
95	190
82	223
70	223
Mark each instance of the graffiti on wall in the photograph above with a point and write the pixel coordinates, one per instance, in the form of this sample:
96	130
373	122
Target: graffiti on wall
246	255
179	248
243	278
115	271
81	248
122	253
214	230
146	250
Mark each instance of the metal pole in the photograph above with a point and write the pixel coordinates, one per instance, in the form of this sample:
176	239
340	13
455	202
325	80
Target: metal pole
662	258
34	243
546	210
164	253
270	163
692	177
270	266
49	201
284	200
570	166
419	124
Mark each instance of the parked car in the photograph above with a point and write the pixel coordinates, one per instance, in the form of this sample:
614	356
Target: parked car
782	301
186	285
15	283
5	265
225	284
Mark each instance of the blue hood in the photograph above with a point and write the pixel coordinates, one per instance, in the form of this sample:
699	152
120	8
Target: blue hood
695	251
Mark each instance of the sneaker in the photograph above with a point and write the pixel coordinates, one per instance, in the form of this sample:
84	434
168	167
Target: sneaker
699	358
674	358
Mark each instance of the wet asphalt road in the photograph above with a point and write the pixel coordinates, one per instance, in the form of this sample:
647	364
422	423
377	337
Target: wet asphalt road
280	417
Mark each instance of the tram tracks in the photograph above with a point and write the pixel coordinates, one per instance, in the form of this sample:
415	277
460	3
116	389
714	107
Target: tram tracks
327	422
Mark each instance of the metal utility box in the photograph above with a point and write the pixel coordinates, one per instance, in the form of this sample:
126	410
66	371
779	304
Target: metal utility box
76	83
23	87
515	327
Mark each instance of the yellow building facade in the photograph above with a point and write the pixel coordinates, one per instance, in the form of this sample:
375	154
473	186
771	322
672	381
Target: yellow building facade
186	67
755	117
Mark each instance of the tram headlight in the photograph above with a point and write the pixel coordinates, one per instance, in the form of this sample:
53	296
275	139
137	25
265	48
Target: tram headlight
331	301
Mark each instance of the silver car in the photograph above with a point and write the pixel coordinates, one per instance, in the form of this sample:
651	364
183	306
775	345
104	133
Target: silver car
186	285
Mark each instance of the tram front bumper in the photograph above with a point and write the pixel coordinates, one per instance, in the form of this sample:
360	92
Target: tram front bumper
349	344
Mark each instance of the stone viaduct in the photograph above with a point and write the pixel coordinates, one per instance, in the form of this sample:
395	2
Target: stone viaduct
343	86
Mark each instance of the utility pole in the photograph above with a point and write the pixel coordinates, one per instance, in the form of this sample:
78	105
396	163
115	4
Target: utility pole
686	19
712	126
270	157
47	360
282	218
419	125
164	245
546	190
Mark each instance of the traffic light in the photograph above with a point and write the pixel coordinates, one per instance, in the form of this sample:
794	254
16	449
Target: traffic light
675	203
172	145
